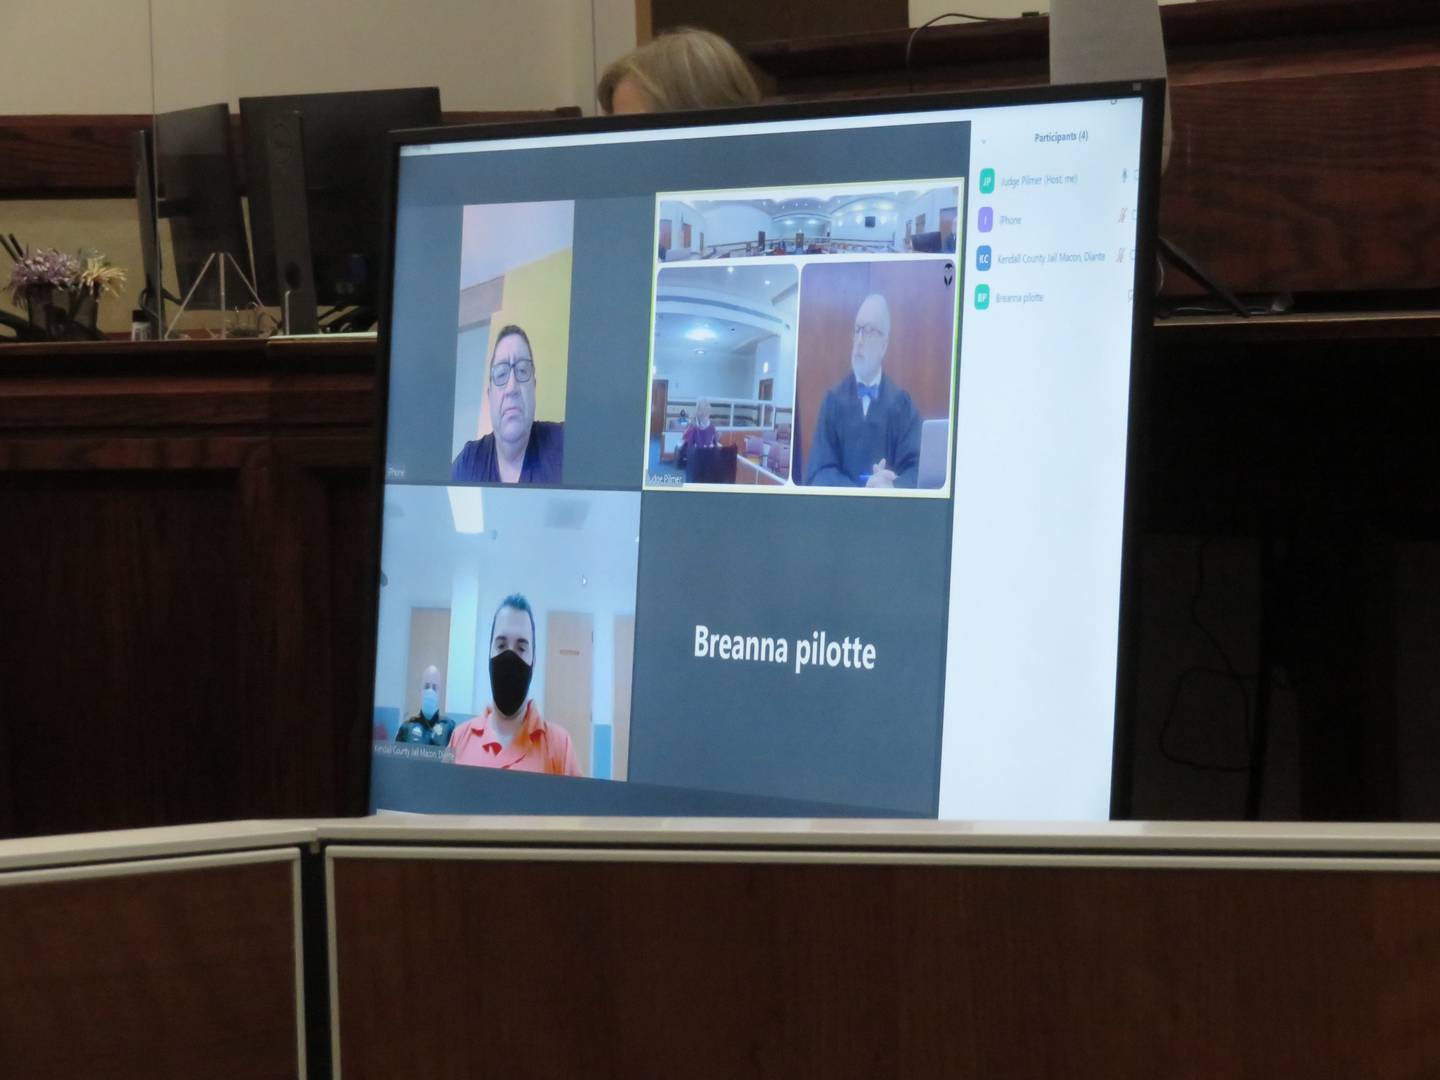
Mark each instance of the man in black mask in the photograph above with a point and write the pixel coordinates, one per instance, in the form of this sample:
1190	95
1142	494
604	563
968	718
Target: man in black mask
510	733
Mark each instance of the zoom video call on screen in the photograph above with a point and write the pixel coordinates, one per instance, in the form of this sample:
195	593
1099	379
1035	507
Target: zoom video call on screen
772	468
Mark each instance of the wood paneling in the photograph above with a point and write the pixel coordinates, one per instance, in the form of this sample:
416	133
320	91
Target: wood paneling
183	973
1316	439
1229	35
89	157
1323	182
1304	130
629	969
186	535
1269	420
745	21
51	157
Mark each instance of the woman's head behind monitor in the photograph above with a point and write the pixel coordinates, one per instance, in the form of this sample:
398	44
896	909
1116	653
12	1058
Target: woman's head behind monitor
681	69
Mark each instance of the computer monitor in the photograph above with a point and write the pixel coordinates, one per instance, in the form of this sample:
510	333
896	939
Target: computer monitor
197	194
712	465
340	209
150	298
865	622
934	454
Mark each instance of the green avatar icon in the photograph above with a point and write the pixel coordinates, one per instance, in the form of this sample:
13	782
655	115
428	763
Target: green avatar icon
987	181
982	297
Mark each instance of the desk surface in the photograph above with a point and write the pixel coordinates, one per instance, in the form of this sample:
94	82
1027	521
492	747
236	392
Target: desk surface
120	845
778	835
354	352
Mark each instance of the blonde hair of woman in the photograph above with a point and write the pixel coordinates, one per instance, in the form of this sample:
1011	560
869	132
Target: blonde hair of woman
680	69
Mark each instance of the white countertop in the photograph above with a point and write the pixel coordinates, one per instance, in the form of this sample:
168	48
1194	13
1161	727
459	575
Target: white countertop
1229	837
777	834
74	849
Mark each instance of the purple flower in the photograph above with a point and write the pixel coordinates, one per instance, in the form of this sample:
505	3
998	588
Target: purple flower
40	271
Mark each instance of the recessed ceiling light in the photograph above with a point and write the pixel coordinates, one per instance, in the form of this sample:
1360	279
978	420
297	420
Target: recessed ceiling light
467	510
700	333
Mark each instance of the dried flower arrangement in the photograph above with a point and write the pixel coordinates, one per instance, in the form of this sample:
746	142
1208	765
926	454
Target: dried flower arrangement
59	290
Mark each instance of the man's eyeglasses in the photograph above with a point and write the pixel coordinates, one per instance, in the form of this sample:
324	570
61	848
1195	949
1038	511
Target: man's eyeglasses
524	372
870	334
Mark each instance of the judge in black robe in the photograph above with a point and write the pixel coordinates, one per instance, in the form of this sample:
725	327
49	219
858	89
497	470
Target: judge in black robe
867	433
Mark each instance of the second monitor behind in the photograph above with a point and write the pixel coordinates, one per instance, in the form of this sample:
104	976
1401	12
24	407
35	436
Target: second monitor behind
315	166
195	191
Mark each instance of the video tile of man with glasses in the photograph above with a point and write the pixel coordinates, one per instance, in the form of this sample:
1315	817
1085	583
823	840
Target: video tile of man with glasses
513	343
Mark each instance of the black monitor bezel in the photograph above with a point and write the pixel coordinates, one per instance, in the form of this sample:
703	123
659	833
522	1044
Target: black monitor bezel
1151	93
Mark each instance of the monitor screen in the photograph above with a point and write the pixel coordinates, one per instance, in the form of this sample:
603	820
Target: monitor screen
770	462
